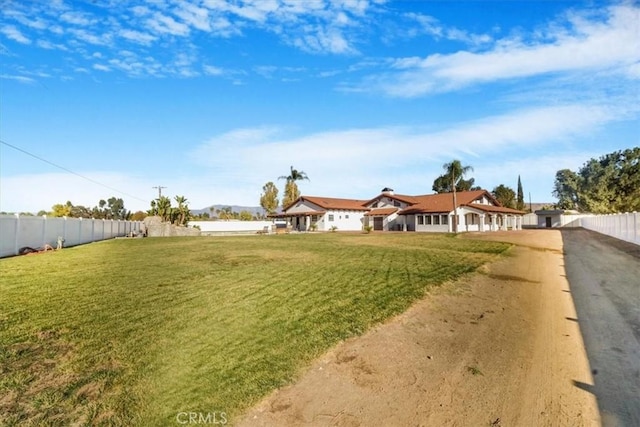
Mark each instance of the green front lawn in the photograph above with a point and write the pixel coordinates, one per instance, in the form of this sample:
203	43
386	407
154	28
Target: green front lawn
134	331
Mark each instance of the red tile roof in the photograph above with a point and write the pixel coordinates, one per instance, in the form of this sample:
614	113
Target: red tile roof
331	203
428	203
442	202
305	213
381	211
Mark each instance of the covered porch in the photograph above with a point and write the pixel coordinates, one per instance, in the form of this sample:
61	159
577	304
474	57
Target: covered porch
384	219
471	219
302	221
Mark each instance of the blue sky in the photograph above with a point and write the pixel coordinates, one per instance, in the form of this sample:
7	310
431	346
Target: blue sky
213	98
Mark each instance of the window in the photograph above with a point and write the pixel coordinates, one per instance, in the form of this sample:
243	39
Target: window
420	220
428	219
396	204
375	205
436	220
330	219
346	217
445	219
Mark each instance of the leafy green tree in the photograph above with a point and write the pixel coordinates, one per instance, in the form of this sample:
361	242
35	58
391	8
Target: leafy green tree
520	199
269	198
505	195
138	216
454	174
566	189
442	184
226	213
116	210
245	215
59	210
80	212
291	191
609	184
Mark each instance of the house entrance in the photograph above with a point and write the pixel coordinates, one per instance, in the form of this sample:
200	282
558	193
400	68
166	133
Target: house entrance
548	221
377	223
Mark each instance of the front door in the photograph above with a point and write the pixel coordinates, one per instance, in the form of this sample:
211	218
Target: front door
377	223
548	221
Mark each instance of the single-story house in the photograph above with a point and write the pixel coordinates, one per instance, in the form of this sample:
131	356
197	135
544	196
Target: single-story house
476	211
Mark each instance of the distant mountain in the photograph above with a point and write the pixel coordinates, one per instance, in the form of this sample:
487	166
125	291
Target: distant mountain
234	208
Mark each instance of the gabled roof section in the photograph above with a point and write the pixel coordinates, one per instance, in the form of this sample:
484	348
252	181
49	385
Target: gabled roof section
332	203
410	200
382	211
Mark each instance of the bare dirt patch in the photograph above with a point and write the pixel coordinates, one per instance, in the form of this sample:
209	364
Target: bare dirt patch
495	348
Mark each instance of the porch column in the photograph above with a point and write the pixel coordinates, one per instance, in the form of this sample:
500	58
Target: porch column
505	222
481	224
306	223
494	222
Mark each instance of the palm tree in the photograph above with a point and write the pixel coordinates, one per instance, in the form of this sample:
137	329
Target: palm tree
163	206
455	171
291	192
295	175
183	209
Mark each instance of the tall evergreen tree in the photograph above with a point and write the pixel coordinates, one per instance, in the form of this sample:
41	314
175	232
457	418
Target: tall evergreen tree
520	200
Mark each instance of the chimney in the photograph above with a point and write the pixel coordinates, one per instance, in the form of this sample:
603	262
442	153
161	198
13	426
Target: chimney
388	191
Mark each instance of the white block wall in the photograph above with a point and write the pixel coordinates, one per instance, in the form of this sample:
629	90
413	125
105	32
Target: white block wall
36	231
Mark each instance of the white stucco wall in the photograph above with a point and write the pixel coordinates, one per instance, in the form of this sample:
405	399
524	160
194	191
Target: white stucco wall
344	220
231	226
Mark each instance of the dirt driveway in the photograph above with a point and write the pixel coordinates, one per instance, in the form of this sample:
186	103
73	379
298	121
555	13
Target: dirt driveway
499	348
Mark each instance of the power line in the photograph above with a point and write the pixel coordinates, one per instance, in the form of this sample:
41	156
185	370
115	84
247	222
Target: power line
70	171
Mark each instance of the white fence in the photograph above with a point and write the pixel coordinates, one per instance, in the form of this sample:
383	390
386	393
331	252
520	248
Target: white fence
36	231
231	227
624	226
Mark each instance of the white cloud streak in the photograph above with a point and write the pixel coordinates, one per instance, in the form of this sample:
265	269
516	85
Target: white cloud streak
349	163
12	33
587	45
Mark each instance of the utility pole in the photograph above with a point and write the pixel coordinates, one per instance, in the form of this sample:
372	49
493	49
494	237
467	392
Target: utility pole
159	187
530	204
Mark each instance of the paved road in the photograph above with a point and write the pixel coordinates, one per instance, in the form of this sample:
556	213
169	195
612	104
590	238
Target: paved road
604	280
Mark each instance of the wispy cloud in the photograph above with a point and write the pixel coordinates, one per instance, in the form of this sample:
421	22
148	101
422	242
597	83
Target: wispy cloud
21	79
583	43
387	155
78	18
137	36
12	33
163	24
318	27
431	26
